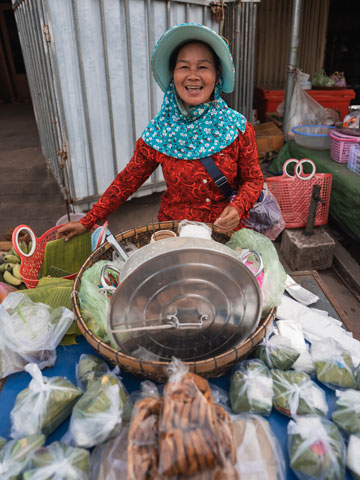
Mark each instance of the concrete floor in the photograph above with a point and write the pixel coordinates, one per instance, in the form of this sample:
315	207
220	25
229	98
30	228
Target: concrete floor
30	195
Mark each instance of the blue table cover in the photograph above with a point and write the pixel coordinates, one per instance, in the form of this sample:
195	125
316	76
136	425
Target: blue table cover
68	357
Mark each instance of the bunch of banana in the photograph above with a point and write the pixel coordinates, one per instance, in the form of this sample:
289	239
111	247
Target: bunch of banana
10	266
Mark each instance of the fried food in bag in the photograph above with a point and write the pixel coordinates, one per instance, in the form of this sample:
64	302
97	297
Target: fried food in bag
195	437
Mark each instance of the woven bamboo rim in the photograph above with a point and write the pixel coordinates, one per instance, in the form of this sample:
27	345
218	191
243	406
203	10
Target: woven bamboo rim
156	370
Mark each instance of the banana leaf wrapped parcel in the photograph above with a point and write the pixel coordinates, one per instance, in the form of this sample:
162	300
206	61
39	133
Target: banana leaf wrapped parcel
251	388
347	413
296	394
43	405
316	449
89	369
276	352
99	414
15	456
2	442
58	461
259	455
353	457
334	365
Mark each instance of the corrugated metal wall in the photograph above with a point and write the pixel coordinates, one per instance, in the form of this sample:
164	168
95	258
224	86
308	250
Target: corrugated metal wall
88	65
273	37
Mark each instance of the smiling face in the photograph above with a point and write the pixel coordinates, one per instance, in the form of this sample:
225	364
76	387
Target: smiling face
195	73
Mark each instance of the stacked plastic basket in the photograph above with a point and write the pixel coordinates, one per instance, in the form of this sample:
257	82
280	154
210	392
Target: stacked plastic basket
354	158
340	146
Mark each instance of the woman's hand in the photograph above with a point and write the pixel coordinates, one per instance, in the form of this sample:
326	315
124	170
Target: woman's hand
228	220
70	230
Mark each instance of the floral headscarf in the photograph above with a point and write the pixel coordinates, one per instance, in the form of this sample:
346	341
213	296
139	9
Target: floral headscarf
195	132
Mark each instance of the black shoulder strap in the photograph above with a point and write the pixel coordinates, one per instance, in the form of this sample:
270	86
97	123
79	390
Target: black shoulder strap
218	177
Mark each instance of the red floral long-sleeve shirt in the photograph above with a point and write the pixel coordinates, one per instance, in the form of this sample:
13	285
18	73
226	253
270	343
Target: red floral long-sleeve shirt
191	192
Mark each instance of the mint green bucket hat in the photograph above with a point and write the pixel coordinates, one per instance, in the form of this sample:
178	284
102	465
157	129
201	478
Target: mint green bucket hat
183	33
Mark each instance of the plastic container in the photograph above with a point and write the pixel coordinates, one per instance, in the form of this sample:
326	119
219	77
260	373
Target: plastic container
74	217
340	146
315	137
354	159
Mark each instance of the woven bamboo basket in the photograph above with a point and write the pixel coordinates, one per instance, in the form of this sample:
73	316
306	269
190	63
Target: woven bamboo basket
157	370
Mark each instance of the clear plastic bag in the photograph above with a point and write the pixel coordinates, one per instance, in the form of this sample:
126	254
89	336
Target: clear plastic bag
333	364
265	217
43	405
30	333
58	461
276	351
304	110
316	449
273	284
251	388
347	412
109	459
89	369
15	455
188	228
100	413
94	301
353	457
259	455
296	394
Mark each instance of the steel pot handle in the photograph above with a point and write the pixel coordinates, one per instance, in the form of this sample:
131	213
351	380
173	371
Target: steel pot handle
244	256
106	287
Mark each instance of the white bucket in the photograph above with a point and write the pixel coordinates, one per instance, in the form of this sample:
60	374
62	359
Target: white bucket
74	217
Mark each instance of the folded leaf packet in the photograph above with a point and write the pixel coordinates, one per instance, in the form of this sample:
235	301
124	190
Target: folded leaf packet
2	442
89	369
58	462
296	394
99	414
259	457
251	388
347	413
334	366
316	449
43	405
15	455
353	457
277	352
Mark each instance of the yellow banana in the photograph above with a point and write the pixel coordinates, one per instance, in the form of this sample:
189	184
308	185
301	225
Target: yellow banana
16	270
6	267
9	278
12	258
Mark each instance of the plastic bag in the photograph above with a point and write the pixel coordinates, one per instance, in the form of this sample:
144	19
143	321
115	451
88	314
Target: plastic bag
15	455
316	449
334	366
43	405
58	461
273	284
296	394
347	413
276	351
99	414
195	435
353	457
259	455
30	333
265	217
187	228
94	301
322	80
304	110
251	388
89	369
109	459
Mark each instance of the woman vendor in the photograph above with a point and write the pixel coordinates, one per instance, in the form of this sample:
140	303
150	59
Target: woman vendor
192	64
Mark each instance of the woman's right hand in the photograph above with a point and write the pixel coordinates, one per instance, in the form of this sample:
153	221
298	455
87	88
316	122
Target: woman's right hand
70	230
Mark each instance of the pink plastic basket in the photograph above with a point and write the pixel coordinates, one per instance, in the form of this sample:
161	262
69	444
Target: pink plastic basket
293	193
340	146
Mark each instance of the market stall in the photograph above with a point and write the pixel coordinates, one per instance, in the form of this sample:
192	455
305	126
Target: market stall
345	190
278	415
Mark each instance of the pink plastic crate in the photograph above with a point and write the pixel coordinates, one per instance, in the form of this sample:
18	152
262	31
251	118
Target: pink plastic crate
354	159
340	146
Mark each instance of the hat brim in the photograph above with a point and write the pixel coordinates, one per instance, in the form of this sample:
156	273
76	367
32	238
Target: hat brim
179	34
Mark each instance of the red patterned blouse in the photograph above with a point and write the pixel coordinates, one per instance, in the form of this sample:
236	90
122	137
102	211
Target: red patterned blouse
191	193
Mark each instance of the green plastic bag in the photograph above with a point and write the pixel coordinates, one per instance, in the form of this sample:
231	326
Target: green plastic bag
273	284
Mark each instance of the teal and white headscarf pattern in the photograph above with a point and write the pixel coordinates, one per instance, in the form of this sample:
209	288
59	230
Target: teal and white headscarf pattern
195	132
